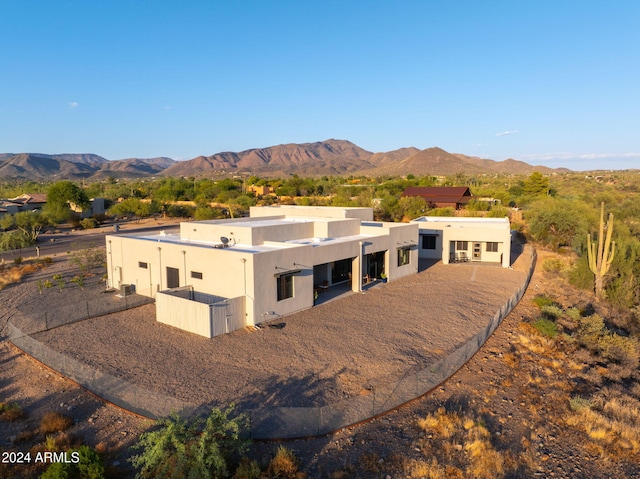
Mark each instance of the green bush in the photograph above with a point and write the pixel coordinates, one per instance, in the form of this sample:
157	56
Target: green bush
578	403
546	327
88	223
573	313
618	348
541	301
590	329
553	265
551	311
247	470
89	467
196	449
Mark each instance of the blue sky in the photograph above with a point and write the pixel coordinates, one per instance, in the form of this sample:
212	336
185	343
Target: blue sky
547	82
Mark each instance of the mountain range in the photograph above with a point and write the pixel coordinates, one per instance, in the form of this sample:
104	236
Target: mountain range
329	157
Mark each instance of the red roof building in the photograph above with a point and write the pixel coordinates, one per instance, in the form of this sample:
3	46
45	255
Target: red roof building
441	196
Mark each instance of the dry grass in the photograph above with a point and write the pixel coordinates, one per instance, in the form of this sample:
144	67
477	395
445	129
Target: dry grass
465	443
11	411
53	422
14	274
614	422
284	465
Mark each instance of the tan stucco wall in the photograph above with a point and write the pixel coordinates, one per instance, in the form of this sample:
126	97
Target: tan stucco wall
477	231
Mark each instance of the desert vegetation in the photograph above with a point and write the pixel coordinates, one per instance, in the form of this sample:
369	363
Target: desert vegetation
564	390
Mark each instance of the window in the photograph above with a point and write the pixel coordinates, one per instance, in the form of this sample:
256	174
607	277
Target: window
404	256
429	241
285	286
196	275
462	245
492	247
142	265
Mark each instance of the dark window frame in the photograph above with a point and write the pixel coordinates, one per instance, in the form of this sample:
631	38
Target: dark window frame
429	242
404	256
143	265
196	274
284	286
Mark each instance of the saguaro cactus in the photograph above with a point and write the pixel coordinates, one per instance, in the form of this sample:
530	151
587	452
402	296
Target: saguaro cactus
601	256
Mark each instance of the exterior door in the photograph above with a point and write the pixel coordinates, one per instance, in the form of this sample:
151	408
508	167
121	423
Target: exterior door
477	251
173	277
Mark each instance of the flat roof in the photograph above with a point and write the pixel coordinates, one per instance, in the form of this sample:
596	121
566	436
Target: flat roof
461	222
175	238
258	223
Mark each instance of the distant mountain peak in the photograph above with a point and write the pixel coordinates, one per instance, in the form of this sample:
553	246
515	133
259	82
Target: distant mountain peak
328	157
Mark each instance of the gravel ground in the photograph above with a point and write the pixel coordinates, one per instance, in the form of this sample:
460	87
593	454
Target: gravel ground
322	355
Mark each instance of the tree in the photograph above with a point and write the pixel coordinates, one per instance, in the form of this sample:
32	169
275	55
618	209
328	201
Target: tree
601	256
536	184
61	196
12	240
558	222
7	222
30	223
178	448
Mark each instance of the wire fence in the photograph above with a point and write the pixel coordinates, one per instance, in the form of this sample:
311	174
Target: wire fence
268	422
107	302
110	388
294	422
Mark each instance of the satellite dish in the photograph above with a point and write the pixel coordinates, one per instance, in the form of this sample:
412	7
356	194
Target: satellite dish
224	240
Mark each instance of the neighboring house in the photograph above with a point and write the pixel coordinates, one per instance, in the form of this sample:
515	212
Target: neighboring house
96	207
260	190
454	239
240	272
441	196
25	202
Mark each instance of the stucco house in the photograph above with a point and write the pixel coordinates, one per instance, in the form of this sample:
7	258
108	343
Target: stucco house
216	276
454	239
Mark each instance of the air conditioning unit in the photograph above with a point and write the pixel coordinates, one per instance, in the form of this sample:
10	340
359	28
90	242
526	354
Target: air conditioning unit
126	289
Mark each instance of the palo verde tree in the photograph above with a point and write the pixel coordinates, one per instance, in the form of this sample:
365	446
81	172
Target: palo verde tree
601	254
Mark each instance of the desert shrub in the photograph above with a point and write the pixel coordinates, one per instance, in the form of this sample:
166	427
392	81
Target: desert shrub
590	329
553	265
498	212
178	448
442	212
284	465
576	403
55	422
546	327
593	334
580	275
573	313
89	466
618	348
87	259
88	223
551	311
541	301
11	411
247	470
18	260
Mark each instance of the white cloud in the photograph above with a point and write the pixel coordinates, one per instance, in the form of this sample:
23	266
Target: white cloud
73	105
508	132
560	156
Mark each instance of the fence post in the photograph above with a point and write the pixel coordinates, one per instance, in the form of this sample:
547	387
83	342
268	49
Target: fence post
88	315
